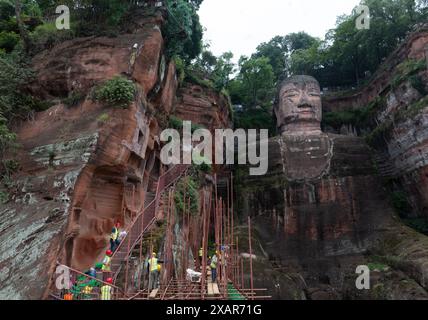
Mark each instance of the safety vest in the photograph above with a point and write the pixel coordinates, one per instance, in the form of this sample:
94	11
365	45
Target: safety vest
214	260
153	264
87	290
106	263
106	292
114	234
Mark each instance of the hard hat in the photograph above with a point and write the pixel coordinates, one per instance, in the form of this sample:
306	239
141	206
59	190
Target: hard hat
109	280
109	252
92	269
153	253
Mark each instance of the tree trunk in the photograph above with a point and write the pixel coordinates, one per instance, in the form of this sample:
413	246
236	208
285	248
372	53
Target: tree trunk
22	30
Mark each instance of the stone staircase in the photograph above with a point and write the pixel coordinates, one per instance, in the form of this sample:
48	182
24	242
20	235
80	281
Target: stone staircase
385	166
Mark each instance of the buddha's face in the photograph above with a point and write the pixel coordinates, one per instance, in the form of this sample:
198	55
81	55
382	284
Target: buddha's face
299	101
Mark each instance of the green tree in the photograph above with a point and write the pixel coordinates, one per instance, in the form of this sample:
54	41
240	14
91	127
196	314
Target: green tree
255	82
223	70
183	31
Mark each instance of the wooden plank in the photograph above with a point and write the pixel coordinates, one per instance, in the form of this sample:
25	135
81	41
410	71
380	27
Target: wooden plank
210	289
153	293
215	288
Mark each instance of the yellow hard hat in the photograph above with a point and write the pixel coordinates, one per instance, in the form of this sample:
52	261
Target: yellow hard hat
153	253
159	267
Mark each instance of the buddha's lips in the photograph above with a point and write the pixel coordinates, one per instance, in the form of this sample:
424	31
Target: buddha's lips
306	111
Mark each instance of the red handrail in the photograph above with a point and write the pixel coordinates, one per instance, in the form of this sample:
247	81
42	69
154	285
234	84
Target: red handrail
144	219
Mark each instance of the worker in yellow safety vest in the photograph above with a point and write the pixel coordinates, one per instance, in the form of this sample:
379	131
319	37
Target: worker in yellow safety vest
213	266
153	272
201	254
114	237
107	261
107	290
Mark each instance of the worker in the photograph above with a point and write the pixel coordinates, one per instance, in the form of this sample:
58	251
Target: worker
87	292
153	272
114	237
91	272
133	58
201	254
213	266
107	290
107	261
122	235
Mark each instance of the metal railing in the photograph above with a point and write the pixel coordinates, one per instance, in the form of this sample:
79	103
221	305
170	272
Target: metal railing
77	285
144	219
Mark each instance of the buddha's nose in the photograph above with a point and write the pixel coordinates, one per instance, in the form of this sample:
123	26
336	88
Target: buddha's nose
304	101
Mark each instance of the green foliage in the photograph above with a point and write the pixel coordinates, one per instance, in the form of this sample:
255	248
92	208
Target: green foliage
407	70
180	67
183	31
378	136
417	83
400	202
4	197
347	56
196	77
177	124
8	40
7	138
119	92
187	188
9	31
14	75
205	166
223	69
412	110
360	118
47	36
377	266
254	84
256	118
103	118
419	224
74	99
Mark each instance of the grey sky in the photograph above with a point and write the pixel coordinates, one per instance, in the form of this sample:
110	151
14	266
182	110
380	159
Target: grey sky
240	25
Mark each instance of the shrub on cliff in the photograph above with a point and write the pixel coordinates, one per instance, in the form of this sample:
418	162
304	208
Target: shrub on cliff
186	191
47	35
118	91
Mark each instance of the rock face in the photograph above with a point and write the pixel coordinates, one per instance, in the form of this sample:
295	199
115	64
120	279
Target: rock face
203	106
320	212
401	134
414	47
322	209
84	167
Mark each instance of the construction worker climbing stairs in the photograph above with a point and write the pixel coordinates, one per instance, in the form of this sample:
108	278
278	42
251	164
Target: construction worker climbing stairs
107	290
153	272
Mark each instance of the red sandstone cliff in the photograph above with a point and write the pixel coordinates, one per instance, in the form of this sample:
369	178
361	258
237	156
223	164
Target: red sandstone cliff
86	166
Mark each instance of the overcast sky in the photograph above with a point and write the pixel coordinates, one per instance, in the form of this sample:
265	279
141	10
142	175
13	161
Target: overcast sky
241	25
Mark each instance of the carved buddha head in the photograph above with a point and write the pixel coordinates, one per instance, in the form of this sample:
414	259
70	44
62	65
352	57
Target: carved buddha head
298	107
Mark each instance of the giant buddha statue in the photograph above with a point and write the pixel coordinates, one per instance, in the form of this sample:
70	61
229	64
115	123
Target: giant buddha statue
321	207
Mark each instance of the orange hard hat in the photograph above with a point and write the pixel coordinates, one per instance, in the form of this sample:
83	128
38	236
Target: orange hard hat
109	280
109	252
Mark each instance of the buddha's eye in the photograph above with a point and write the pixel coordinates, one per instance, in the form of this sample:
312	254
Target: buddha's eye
290	94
